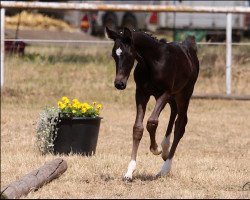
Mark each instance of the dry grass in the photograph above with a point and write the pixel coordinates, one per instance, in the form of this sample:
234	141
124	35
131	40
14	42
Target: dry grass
36	21
213	62
212	159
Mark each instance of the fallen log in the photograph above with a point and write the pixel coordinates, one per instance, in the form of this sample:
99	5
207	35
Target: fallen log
34	180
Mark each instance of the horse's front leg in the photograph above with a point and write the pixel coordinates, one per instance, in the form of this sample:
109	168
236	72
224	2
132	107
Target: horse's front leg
153	122
141	103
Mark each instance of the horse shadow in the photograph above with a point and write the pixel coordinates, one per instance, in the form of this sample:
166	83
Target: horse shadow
145	177
148	177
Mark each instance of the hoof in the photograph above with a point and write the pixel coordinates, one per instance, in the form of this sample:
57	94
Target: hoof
158	175
127	178
157	151
165	168
164	155
161	174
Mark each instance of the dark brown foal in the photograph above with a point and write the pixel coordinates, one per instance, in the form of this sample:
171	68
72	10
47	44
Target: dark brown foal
167	71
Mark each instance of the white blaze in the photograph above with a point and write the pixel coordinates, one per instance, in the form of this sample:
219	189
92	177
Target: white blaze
118	51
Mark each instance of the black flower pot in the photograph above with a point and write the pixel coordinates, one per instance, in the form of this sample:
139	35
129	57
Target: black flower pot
77	135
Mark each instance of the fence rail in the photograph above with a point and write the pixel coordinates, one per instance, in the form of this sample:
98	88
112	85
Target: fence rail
121	7
132	8
111	42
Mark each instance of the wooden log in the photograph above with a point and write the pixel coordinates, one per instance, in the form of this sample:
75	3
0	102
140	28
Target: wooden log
34	180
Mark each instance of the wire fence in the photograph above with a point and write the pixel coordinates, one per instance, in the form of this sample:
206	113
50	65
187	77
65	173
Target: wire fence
211	82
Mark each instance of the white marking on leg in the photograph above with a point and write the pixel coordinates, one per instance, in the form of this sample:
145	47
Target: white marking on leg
165	168
118	52
165	147
131	169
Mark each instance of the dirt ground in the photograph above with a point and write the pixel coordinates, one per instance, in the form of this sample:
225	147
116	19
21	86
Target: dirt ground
212	159
49	35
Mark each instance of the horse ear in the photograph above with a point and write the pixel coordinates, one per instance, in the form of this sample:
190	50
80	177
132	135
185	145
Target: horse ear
111	34
127	34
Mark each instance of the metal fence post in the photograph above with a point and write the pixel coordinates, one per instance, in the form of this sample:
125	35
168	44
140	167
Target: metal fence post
228	53
2	44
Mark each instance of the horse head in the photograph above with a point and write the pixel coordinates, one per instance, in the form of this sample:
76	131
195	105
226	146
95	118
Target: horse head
124	55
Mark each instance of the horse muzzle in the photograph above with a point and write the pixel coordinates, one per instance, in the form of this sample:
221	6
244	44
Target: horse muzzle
120	85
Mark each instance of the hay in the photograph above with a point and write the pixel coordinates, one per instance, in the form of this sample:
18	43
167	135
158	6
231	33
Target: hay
36	21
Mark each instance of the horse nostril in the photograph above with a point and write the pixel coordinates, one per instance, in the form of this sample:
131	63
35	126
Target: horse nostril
116	85
122	85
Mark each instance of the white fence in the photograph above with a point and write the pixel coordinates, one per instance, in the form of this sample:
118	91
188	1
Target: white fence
126	7
122	7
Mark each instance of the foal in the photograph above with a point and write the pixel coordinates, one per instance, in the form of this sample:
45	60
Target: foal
168	71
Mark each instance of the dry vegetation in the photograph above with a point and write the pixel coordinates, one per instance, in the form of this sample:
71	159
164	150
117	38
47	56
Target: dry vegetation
212	61
36	21
212	160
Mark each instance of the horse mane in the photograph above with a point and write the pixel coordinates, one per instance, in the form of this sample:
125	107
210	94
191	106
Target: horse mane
149	35
162	40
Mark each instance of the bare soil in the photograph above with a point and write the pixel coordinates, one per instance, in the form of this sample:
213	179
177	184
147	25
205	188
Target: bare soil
49	35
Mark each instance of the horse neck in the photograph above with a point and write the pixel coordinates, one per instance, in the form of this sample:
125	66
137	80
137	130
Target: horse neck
146	47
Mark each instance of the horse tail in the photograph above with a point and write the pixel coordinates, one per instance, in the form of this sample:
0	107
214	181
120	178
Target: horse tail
190	43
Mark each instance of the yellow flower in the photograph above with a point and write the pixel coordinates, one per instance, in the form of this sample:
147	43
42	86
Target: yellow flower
99	106
75	105
65	99
84	110
89	106
69	105
61	105
79	106
75	101
86	105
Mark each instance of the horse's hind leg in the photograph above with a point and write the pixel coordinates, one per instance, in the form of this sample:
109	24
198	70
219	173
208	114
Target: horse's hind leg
166	140
153	122
180	124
